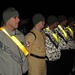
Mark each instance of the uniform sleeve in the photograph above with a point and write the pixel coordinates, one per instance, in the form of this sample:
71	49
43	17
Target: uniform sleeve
30	38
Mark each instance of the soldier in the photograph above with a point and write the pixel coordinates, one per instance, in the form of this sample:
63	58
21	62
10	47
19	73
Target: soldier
52	46
36	47
12	59
71	32
71	22
67	54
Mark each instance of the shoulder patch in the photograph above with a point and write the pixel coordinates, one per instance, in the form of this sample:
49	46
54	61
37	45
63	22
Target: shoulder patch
27	43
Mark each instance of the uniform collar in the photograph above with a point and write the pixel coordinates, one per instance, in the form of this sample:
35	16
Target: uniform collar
15	32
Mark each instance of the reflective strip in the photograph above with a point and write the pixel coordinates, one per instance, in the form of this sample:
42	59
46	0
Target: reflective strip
54	35
70	31
16	41
48	29
65	34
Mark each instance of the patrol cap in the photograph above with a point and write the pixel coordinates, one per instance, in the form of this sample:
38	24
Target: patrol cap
8	13
51	20
61	18
37	18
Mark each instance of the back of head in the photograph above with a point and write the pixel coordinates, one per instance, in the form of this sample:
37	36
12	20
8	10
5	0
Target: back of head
8	13
61	18
37	18
51	20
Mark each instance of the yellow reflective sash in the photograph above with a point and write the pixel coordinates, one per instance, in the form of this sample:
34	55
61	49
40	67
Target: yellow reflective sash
70	31
16	41
54	35
48	29
65	34
56	38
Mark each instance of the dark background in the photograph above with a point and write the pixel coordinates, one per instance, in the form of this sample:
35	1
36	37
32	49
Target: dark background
27	8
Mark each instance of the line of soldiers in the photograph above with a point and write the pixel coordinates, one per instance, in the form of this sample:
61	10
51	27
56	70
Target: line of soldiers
60	45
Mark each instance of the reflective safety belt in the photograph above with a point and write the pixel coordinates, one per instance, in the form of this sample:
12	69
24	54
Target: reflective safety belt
16	41
54	35
71	31
65	34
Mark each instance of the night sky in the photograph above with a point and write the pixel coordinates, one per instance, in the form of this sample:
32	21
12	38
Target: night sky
27	8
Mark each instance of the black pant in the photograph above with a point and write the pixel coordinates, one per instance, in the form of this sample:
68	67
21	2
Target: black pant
66	61
63	66
53	67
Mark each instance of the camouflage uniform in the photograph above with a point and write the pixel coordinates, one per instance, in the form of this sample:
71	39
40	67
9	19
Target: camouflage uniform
63	40
71	41
67	54
71	44
52	52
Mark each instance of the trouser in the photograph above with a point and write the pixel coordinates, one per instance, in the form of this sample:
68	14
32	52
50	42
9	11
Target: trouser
66	61
53	67
36	66
62	66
